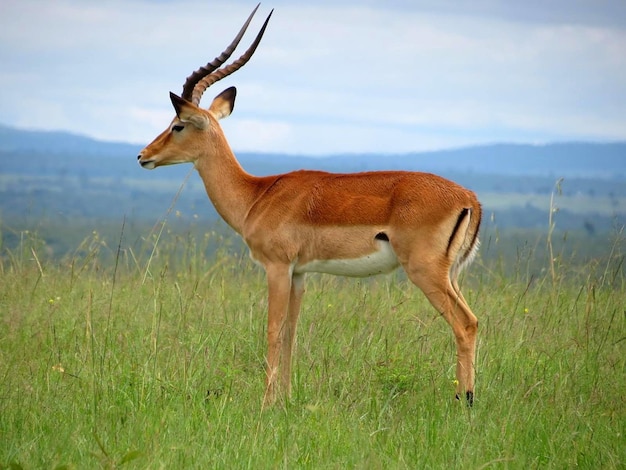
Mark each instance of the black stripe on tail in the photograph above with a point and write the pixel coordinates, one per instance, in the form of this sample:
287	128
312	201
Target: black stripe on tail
464	213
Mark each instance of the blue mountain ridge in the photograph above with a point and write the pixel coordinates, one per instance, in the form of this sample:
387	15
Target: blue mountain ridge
57	150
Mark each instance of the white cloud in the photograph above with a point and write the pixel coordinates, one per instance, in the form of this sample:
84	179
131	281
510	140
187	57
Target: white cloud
328	77
251	135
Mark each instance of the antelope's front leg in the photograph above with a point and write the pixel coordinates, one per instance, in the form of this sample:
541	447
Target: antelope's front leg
279	287
289	331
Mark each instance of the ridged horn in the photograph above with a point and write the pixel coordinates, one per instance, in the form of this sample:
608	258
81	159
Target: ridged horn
196	84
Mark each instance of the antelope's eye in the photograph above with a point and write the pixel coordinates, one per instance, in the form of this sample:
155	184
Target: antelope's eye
178	128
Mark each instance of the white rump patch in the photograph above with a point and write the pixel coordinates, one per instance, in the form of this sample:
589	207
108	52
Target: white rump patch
378	262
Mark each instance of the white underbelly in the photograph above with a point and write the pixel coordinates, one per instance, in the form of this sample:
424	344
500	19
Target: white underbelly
379	262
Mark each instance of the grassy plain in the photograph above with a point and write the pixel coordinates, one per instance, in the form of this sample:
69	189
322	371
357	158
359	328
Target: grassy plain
157	362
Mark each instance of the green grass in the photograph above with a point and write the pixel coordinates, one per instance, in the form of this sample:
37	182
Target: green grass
159	364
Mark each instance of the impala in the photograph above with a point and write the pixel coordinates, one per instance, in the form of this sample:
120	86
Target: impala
358	224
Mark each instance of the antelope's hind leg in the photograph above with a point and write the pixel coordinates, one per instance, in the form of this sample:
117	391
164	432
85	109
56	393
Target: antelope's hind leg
444	294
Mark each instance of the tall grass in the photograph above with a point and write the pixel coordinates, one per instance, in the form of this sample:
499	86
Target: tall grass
161	365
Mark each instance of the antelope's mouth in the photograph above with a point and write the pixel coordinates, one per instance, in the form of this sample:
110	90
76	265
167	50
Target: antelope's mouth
148	164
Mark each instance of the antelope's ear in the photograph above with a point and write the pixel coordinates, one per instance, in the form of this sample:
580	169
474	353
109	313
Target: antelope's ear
188	112
178	103
224	103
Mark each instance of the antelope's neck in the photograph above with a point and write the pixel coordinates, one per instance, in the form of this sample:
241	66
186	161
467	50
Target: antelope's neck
231	189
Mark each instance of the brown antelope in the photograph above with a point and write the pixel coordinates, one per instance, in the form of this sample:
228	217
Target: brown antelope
357	224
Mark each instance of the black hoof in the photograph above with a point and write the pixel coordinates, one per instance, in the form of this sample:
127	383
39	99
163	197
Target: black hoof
469	396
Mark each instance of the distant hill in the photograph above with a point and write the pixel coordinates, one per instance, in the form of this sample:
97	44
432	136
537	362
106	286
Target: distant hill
56	143
65	186
559	159
41	151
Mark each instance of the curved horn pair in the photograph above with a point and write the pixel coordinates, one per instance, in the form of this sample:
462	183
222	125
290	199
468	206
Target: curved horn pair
196	83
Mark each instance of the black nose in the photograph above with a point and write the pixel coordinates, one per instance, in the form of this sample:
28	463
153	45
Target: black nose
138	156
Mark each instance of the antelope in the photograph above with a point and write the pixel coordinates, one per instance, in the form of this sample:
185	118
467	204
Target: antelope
354	224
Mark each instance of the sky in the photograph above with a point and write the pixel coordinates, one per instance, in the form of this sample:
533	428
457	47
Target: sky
329	77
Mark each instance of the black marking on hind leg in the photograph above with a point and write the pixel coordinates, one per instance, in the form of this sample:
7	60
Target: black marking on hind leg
462	216
382	236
